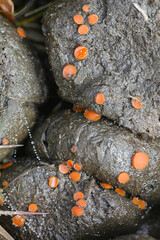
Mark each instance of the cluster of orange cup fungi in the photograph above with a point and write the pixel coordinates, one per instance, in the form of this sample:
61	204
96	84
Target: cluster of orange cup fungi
80	204
81	51
139	161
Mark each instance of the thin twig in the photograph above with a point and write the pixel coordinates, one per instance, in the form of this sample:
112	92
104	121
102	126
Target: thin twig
28	14
22	213
142	11
11	146
5	234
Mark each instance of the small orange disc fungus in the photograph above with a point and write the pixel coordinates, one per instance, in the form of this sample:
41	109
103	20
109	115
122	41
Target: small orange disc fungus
78	195
78	109
78	19
4	141
136	104
92	116
73	149
120	191
81	203
92	19
63	168
18	220
140	160
32	207
106	185
74	176
77	211
21	32
135	200
53	182
69	71
5	183
80	52
83	29
123	177
85	8
141	204
1	199
100	99
70	163
77	167
6	165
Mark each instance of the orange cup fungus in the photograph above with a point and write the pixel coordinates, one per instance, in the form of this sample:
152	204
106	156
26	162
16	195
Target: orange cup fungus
74	176
123	177
100	99
140	203
120	191
78	19
18	220
77	167
21	32
70	163
5	183
5	141
81	203
80	52
53	182
140	160
63	168
77	211
92	19
78	195
83	29
32	207
92	116
85	8
106	185
69	71
136	104
6	165
1	199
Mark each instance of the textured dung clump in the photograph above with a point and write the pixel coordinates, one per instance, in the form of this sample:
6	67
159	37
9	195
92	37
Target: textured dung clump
105	214
122	62
22	85
104	151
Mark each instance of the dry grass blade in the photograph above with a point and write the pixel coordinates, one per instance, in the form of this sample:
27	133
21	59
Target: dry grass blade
22	213
5	234
7	8
11	146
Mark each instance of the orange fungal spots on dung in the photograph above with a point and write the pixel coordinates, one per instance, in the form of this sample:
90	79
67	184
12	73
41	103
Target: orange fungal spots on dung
81	203
120	191
32	207
5	183
77	167
1	199
69	71
83	29
92	19
123	177
135	200
78	195
63	168
100	99
53	182
77	211
18	220
92	116
6	165
80	52
74	176
140	160
85	8
21	32
141	204
78	109
106	185
70	163
4	141
136	104
78	19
